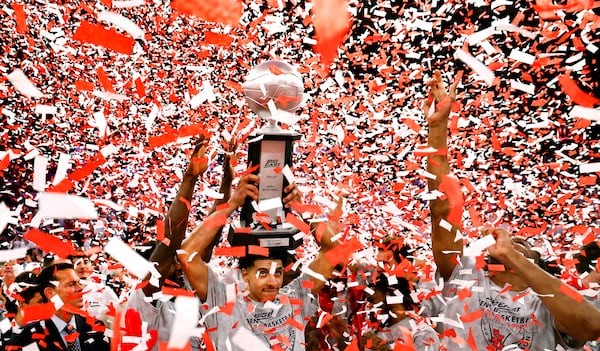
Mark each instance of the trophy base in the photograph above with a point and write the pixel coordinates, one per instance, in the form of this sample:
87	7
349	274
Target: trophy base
278	237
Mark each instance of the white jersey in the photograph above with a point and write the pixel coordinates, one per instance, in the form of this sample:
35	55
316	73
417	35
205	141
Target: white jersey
159	316
497	318
243	324
422	336
96	299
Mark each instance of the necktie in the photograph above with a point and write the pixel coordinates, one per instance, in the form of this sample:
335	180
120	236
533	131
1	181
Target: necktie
71	338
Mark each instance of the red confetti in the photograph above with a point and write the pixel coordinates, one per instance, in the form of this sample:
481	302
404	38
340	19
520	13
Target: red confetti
570	87
308	284
4	162
105	80
38	312
20	18
109	38
565	289
294	323
451	188
473	316
258	250
50	243
220	11
332	23
342	252
235	251
218	39
298	223
177	292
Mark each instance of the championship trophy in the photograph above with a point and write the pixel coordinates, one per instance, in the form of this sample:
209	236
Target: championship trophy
273	90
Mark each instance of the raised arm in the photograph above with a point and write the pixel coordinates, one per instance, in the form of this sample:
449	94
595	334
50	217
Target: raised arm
225	189
177	218
437	164
326	232
578	319
193	266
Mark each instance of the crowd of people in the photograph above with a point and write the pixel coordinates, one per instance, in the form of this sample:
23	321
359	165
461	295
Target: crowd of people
494	294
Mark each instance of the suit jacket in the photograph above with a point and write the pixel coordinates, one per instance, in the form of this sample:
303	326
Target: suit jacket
48	337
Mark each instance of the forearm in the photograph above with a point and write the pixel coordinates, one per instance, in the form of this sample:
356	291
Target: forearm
579	319
202	236
443	240
175	225
224	189
177	218
200	241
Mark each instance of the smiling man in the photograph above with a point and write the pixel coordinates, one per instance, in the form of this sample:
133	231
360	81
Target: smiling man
263	314
65	330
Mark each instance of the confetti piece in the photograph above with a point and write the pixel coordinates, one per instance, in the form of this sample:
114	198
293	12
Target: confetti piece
186	319
57	205
220	11
218	39
14	254
176	292
298	223
40	164
476	247
20	18
579	97
332	23
96	34
20	81
128	257
121	22
258	250
294	323
585	112
570	292
50	243
235	251
342	252
521	295
477	66
270	204
38	312
589	167
451	187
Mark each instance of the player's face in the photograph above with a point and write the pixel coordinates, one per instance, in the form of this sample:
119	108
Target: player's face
264	279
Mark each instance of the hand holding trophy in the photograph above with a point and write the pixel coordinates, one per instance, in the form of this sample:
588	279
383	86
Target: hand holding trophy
273	90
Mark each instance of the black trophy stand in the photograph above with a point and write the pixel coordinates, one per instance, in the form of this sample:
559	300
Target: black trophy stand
277	235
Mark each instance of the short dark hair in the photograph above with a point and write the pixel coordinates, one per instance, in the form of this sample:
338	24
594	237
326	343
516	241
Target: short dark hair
29	284
248	260
402	285
588	253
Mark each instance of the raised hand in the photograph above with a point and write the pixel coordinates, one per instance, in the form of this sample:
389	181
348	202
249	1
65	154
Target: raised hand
443	99
503	246
230	160
198	161
247	186
292	195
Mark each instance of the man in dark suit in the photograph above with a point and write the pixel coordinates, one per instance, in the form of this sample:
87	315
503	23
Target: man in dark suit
65	330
